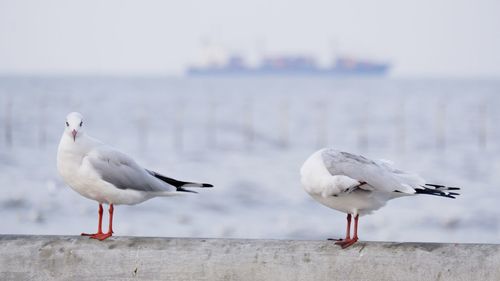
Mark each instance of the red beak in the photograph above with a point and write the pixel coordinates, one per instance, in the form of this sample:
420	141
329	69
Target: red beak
74	135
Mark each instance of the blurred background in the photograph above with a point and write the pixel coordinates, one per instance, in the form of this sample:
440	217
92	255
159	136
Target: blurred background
239	94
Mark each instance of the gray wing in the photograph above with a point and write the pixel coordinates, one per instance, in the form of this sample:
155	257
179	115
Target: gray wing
379	176
123	172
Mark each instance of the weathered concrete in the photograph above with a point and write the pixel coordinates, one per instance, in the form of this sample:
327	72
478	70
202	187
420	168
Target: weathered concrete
138	258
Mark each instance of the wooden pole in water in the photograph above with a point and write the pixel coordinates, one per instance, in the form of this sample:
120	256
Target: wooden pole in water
362	129
142	130
42	121
178	133
211	124
322	124
440	122
483	125
248	130
284	123
8	122
401	126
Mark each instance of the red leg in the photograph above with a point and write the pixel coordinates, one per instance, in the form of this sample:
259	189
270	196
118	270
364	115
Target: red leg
348	241
356	228
348	230
347	233
103	236
111	211
99	226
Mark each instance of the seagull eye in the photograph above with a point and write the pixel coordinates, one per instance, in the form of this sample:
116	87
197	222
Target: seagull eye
67	124
81	123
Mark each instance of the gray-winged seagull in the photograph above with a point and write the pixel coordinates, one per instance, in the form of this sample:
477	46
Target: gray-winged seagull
108	176
357	186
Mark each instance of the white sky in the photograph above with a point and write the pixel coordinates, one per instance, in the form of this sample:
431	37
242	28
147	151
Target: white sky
421	38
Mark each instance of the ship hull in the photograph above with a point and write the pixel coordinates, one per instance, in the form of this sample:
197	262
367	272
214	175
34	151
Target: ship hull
376	71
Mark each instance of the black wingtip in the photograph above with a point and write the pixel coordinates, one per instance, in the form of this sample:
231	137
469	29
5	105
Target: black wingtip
434	185
440	186
180	189
438	190
206	185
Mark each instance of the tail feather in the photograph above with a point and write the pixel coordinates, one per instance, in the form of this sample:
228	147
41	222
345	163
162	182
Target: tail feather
179	185
438	190
442	187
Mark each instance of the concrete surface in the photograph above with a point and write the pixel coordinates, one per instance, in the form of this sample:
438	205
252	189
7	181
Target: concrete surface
139	258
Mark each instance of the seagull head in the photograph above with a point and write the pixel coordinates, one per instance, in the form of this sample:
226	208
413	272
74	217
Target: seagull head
74	125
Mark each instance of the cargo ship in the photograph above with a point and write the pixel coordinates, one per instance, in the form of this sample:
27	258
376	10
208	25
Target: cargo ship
290	65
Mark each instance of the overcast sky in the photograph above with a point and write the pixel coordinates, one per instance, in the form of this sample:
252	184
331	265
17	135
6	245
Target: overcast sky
421	38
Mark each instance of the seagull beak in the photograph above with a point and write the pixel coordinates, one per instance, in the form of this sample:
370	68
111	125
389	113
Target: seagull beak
74	135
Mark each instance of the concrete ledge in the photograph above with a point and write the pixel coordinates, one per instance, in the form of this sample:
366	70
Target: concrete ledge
138	258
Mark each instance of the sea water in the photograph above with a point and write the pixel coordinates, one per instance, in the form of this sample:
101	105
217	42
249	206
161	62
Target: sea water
249	137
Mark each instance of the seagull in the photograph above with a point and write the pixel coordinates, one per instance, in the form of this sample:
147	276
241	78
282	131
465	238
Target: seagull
108	176
356	185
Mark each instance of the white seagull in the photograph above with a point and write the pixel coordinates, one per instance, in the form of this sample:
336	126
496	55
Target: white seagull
358	186
108	176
